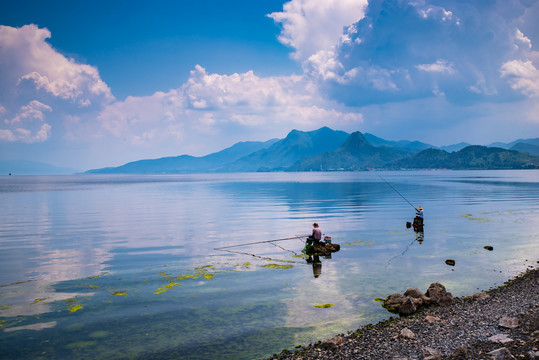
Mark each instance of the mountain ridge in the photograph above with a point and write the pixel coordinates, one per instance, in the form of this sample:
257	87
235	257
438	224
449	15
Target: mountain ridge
318	150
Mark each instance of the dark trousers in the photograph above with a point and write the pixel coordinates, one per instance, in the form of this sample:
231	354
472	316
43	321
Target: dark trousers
311	239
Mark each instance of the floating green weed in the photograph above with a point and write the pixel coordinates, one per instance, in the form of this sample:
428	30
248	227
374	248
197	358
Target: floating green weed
2	322
120	293
278	266
323	306
16	283
75	307
39	300
97	276
165	288
91	286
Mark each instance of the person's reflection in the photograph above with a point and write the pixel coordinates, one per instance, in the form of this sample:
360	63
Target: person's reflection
314	260
419	237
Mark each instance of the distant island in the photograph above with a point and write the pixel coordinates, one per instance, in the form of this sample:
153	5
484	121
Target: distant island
332	150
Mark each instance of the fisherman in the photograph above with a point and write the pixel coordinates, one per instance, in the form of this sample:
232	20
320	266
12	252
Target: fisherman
418	220
420	212
316	236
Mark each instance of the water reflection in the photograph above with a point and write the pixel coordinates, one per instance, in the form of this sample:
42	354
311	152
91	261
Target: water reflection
152	239
314	260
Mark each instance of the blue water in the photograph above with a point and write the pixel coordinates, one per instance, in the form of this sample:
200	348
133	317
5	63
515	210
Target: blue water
99	266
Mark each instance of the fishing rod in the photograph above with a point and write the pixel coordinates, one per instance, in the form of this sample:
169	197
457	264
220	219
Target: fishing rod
260	257
397	191
261	242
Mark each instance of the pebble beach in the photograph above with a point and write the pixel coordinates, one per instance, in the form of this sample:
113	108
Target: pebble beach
501	323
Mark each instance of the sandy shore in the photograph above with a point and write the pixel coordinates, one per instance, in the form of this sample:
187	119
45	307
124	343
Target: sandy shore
503	323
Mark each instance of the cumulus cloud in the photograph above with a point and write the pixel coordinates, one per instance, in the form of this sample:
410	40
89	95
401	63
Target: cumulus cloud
27	57
28	125
309	26
414	49
208	103
523	76
36	79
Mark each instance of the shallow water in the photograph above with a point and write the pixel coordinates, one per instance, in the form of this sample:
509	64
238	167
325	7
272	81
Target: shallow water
118	266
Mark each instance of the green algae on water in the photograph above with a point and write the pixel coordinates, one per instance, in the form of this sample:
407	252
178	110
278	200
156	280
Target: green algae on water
75	307
165	288
97	276
39	300
278	266
120	293
323	306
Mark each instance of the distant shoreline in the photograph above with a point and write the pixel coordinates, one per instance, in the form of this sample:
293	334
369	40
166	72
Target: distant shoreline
464	330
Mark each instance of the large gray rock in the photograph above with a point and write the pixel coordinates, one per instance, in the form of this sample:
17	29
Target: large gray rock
439	295
394	302
407	307
415	293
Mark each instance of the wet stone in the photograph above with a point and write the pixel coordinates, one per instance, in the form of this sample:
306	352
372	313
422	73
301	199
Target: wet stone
407	333
500	338
501	354
509	323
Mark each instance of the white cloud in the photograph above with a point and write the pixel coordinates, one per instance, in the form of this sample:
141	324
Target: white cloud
28	125
309	26
440	66
521	39
37	79
209	103
523	75
29	58
438	13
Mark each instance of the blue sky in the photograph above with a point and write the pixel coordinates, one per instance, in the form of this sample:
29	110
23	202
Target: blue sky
89	85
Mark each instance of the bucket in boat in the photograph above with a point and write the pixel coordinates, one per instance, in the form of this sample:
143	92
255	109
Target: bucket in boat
327	239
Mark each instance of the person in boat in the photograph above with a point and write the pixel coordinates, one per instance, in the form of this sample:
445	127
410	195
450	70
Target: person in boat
316	236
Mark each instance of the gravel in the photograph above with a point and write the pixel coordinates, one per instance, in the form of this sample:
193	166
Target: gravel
471	328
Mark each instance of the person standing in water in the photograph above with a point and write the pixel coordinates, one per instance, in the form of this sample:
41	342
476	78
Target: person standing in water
420	212
316	236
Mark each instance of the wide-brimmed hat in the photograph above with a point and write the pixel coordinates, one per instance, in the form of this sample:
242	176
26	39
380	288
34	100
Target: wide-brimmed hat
315	224
420	208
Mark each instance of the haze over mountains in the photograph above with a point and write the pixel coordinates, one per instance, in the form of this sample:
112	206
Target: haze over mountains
331	150
320	150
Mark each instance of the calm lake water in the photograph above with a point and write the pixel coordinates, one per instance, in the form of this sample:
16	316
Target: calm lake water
118	266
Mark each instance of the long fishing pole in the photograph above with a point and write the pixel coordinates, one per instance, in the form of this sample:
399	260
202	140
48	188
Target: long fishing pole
397	191
261	242
261	257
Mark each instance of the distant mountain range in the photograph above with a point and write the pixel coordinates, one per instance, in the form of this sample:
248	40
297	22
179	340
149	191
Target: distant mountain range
330	150
320	150
23	167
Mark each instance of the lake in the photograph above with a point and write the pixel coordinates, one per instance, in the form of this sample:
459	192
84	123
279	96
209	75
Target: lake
126	266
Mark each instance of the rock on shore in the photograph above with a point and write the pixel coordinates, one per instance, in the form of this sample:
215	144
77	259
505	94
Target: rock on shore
502	323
